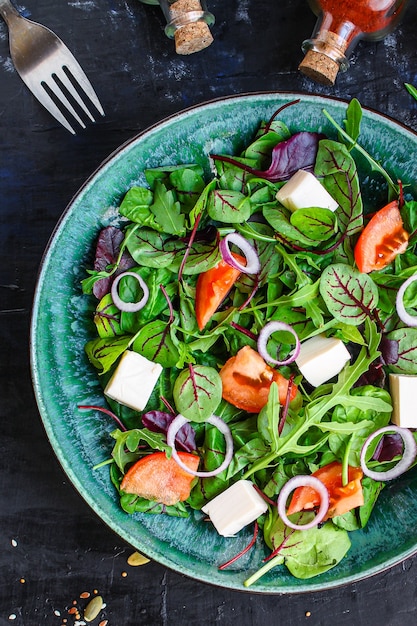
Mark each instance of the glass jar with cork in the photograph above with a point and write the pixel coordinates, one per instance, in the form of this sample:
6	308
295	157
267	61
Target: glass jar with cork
339	27
188	23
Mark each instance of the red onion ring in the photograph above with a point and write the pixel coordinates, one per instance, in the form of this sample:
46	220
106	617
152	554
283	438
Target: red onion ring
175	426
253	265
265	334
129	307
410	320
303	481
409	453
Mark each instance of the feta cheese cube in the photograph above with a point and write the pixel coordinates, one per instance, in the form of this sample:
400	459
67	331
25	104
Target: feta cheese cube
403	392
133	380
304	190
321	358
235	508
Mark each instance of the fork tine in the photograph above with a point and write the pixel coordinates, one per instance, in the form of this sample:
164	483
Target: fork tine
80	77
62	76
44	98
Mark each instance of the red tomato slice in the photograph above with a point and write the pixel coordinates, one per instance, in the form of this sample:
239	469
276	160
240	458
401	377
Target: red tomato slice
246	380
156	477
213	287
381	240
341	498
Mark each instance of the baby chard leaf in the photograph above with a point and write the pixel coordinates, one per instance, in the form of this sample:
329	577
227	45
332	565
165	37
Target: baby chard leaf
338	169
229	206
349	295
406	339
154	342
104	352
316	223
197	392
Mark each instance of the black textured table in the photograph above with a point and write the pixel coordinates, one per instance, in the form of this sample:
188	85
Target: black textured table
53	546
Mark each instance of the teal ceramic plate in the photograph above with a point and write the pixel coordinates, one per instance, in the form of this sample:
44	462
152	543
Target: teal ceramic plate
63	378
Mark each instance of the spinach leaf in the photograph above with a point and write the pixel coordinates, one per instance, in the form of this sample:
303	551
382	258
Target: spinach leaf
306	553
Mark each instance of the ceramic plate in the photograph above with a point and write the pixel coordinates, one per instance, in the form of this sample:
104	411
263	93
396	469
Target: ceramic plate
61	325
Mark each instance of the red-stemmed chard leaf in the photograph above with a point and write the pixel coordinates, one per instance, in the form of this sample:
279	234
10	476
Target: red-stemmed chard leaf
349	295
298	152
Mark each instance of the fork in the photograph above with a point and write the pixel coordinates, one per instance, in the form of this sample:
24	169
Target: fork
49	69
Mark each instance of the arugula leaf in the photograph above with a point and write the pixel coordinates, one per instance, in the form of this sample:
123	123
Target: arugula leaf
167	211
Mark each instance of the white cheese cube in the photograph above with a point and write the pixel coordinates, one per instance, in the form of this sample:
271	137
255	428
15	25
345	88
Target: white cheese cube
321	358
133	380
235	508
403	392
304	190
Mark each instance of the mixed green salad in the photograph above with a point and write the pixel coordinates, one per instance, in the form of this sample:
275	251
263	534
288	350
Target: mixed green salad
191	277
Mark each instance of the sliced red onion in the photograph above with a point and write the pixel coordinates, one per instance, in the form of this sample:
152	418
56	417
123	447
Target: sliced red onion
265	334
410	320
407	459
303	481
129	307
175	426
253	265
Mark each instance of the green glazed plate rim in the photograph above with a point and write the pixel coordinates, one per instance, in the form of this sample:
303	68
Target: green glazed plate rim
63	380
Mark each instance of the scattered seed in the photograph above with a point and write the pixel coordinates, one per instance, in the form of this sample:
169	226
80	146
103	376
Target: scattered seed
12	616
104	622
22	580
136	558
124	574
72	610
14	543
85	594
93	608
57	613
308	613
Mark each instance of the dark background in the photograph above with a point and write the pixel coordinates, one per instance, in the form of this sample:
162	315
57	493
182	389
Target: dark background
53	547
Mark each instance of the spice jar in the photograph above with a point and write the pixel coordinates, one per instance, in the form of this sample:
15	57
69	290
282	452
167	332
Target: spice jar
339	27
188	23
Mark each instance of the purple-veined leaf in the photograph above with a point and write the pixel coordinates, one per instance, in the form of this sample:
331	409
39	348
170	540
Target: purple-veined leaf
349	295
104	352
406	339
197	392
337	169
229	206
159	421
107	252
297	152
107	318
154	342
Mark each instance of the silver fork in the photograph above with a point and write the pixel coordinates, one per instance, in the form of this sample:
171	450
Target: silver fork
48	68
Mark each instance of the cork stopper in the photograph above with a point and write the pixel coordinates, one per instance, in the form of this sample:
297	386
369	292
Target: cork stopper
323	60
192	38
192	32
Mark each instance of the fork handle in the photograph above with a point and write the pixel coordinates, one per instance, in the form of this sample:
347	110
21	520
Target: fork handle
8	11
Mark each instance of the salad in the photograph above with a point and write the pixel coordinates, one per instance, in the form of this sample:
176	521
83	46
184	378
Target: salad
247	336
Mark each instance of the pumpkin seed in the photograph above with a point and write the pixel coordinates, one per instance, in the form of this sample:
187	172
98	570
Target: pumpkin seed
93	608
136	558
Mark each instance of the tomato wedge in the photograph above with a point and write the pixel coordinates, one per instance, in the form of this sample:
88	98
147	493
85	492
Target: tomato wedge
213	287
246	380
156	477
381	240
341	498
